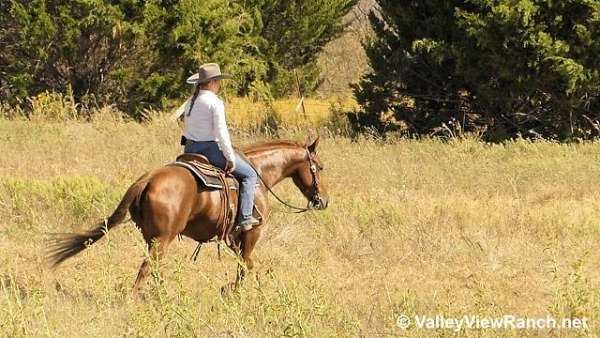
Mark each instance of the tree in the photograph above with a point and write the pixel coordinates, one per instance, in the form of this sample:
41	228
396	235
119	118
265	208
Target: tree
512	67
295	32
180	35
137	53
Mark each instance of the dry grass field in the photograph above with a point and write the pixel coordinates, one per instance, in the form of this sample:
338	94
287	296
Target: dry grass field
414	228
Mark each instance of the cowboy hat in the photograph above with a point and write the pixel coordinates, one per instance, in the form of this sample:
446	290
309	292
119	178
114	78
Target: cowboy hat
207	72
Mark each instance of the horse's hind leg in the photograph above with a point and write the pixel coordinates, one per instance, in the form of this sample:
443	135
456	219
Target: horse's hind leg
142	275
156	248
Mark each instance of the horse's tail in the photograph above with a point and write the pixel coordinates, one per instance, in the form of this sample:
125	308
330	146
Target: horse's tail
68	245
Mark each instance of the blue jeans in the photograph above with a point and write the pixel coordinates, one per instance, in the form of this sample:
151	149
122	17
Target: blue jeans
243	172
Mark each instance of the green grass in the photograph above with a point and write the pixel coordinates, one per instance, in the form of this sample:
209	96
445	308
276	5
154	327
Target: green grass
414	227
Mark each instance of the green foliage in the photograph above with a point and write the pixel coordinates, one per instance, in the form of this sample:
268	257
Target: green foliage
138	54
295	32
511	67
184	35
82	197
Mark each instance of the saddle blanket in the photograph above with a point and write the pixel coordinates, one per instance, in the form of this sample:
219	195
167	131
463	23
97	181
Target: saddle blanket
207	175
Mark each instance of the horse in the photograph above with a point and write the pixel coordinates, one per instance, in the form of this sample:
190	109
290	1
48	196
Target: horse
167	202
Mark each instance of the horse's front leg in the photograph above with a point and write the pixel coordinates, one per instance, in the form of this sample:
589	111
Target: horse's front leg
246	242
249	239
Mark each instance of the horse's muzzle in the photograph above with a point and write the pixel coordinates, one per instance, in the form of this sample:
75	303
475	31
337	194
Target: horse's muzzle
319	203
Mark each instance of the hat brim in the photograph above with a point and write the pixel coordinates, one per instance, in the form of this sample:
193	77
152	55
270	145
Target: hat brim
195	79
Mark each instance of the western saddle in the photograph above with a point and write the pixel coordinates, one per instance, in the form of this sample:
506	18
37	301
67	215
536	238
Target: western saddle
209	176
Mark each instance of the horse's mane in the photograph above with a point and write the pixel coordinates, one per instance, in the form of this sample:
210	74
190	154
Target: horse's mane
268	145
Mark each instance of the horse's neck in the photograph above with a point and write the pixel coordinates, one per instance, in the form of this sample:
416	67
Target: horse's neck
275	165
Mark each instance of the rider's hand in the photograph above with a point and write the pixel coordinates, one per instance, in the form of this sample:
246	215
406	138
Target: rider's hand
229	167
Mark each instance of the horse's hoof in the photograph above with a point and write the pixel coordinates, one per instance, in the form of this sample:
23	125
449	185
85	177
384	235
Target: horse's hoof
229	289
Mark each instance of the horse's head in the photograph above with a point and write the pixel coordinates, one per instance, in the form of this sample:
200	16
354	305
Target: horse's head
309	180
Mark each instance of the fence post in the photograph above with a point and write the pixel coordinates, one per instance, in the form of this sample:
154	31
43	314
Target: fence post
300	95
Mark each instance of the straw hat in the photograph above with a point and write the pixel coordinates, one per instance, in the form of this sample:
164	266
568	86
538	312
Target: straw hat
207	72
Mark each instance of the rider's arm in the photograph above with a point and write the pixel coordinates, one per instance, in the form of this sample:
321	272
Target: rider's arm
221	132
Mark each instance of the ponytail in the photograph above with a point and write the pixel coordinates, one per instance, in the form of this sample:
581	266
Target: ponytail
196	92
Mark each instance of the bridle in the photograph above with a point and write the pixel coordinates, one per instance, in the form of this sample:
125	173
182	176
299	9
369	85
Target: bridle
315	199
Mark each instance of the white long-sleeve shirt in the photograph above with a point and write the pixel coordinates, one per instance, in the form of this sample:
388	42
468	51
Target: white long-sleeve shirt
206	122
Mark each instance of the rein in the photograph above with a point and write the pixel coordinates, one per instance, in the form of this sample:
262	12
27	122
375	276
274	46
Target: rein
298	209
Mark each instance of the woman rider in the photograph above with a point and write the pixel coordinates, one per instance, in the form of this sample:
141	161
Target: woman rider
206	133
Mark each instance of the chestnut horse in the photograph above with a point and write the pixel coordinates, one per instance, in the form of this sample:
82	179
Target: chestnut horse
167	202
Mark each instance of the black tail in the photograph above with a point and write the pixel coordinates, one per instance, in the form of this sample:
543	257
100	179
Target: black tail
68	245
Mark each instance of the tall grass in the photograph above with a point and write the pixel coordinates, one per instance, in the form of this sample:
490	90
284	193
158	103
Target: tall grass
245	115
414	227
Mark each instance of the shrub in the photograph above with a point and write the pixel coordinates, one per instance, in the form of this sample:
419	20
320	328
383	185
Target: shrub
512	67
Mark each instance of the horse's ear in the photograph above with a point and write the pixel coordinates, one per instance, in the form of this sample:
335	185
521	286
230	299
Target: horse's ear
313	147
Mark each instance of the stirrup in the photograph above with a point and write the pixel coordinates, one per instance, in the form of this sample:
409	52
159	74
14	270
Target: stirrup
249	224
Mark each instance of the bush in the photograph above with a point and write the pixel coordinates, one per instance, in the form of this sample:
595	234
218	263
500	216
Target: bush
511	67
